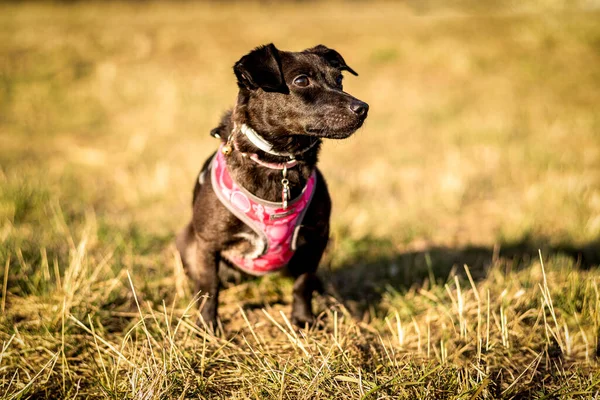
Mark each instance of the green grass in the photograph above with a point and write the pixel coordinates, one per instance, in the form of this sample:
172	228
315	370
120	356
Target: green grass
465	243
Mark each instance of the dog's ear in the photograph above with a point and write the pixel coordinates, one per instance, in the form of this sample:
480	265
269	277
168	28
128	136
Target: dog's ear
332	57
261	68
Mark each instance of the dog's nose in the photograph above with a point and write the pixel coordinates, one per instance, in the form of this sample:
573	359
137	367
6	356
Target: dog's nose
360	108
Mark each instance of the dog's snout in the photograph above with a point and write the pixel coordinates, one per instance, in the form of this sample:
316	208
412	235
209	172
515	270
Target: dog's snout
360	108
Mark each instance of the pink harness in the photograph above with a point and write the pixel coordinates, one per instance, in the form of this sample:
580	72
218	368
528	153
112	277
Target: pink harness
277	227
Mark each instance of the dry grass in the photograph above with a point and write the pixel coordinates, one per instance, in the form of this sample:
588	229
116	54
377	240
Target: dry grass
482	146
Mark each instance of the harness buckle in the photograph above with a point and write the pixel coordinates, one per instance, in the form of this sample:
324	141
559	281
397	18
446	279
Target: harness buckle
285	191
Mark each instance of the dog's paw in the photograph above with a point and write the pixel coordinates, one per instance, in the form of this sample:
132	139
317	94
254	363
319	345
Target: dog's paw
208	324
303	320
211	329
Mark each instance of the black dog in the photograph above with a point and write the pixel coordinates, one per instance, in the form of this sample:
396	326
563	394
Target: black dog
260	203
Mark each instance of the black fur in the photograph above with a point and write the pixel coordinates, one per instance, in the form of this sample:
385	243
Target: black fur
261	69
291	117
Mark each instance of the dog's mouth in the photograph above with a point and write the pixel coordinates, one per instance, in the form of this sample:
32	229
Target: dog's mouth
330	131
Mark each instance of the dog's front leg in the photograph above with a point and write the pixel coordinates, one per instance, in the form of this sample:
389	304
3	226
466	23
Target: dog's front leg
303	267
205	276
302	294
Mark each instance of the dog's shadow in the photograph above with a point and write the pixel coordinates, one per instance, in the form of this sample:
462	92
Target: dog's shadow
360	284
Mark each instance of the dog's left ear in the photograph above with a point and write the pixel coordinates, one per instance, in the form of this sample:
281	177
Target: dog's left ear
261	68
332	57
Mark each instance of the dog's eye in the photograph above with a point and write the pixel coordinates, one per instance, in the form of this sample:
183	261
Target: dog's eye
339	80
301	81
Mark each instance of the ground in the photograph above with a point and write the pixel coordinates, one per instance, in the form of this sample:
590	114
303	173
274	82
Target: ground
466	221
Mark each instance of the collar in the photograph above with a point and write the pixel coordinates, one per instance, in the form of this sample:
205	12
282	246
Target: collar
264	145
261	142
254	157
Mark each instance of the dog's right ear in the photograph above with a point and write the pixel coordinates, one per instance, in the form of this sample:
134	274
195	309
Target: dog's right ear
332	57
261	68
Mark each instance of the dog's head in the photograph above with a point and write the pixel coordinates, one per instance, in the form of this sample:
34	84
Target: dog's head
298	93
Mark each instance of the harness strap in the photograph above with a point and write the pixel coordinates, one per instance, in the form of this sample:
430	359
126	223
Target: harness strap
276	226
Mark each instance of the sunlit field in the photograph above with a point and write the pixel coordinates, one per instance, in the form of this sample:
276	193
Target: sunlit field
465	241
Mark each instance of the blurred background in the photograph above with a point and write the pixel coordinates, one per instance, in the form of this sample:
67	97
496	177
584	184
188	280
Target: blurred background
482	146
